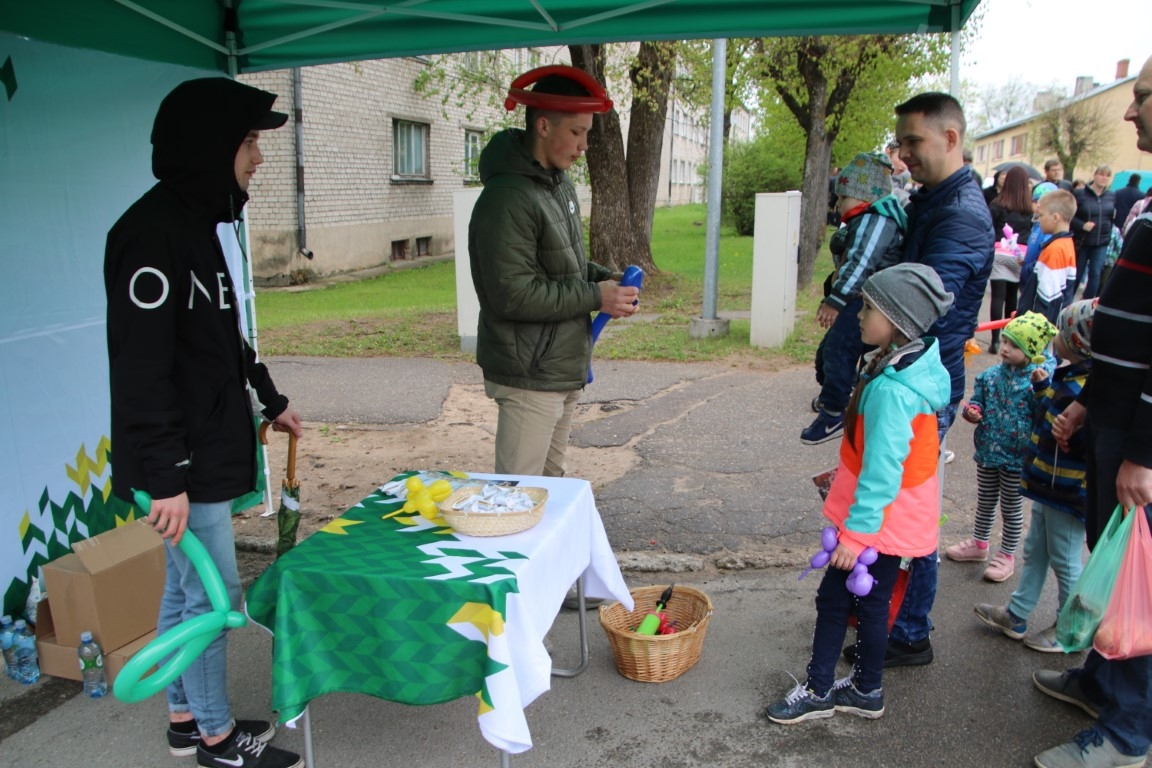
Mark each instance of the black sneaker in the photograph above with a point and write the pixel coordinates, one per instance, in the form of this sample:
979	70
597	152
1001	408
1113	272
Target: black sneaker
184	744
899	654
246	751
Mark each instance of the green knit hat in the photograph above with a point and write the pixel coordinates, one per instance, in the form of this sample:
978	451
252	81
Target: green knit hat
1031	332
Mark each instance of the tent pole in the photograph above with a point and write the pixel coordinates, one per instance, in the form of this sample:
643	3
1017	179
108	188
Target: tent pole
230	25
708	325
954	85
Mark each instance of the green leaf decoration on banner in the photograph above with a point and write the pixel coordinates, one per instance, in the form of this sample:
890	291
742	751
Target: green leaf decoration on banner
8	77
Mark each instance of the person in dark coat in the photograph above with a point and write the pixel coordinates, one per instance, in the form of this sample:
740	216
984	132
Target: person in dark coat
1011	208
184	384
1054	172
950	230
1092	227
1126	197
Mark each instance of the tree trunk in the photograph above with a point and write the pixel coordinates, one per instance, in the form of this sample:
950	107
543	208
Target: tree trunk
651	82
814	193
618	234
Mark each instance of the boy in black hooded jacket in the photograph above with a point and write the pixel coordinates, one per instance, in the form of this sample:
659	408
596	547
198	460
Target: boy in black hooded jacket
184	382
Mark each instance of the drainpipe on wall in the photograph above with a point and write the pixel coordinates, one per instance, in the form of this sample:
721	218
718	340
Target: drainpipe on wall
298	120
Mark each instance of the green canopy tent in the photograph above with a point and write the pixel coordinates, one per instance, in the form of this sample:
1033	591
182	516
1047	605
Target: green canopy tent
79	82
252	35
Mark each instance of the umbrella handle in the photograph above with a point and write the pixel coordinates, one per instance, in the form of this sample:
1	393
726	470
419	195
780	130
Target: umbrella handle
291	473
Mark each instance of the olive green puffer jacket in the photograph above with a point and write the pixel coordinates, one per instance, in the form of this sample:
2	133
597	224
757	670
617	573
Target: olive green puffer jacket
536	287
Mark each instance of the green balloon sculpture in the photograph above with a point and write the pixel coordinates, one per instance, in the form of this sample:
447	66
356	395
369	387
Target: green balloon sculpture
180	645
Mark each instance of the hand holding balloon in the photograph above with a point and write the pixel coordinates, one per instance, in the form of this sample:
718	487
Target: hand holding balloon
860	582
828	544
633	278
179	646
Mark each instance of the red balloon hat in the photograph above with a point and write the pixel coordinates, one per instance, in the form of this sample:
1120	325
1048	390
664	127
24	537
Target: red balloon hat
596	101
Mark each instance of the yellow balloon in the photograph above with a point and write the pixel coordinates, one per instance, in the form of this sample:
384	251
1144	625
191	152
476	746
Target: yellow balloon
427	508
440	490
413	484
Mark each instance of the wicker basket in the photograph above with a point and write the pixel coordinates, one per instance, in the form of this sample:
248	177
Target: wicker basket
657	658
492	523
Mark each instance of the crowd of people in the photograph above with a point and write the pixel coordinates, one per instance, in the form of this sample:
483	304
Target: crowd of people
1064	419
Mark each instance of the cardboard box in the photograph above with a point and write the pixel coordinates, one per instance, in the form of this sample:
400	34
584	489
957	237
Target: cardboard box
55	659
115	661
110	586
60	660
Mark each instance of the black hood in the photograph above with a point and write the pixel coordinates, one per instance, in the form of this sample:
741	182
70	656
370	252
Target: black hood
198	129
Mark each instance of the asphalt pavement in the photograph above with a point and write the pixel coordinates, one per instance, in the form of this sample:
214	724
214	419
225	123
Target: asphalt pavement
722	496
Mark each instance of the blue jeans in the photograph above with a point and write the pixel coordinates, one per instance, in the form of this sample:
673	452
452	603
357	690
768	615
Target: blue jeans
1123	688
834	604
203	688
838	357
1054	538
1090	261
913	623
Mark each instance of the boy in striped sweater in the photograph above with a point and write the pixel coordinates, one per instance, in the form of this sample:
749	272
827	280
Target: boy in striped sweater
1055	478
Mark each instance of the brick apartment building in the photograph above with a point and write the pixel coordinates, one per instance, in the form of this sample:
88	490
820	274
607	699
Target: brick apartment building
367	176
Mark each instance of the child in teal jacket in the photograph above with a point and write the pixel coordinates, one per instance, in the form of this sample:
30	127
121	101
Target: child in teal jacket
885	494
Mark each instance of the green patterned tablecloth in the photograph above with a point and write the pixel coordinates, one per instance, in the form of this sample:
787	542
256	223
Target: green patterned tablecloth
408	611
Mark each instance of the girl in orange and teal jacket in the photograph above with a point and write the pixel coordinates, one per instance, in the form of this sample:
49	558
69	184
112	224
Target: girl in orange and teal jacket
885	494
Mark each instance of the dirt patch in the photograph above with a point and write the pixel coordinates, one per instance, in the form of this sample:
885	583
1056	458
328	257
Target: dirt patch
339	464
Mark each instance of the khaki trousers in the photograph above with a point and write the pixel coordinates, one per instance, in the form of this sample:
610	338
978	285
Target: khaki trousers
532	429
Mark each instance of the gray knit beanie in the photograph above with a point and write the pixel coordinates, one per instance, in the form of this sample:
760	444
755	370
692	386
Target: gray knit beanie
868	178
911	296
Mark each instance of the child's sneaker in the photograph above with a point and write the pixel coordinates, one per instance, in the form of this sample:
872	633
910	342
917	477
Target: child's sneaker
827	426
967	551
246	751
1044	641
1002	619
184	744
1001	568
848	698
799	705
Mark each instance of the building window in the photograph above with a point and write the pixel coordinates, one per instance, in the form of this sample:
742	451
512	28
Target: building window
410	155
399	250
423	246
980	152
1019	144
997	149
473	142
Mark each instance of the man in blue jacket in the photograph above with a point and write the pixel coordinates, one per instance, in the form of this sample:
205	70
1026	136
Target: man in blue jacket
950	230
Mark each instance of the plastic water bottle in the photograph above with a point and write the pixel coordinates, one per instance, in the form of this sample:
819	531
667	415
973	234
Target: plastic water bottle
7	644
92	666
27	660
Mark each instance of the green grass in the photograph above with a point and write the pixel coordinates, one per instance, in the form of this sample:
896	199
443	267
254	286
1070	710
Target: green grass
412	312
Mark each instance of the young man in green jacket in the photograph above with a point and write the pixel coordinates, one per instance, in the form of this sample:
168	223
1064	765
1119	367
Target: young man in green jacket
536	287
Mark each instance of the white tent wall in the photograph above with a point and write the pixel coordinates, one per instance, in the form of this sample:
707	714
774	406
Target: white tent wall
74	154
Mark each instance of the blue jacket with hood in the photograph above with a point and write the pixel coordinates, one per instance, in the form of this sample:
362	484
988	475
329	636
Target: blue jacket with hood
950	230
